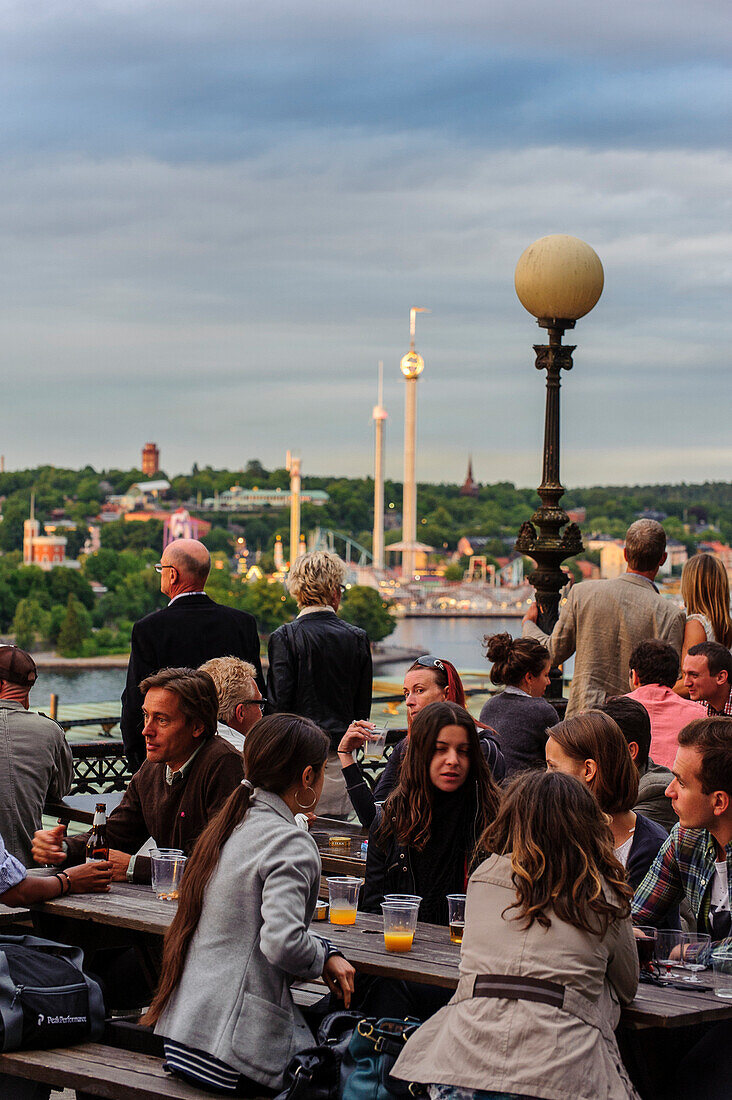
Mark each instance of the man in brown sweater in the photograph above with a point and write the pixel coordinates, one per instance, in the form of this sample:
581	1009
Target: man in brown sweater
187	776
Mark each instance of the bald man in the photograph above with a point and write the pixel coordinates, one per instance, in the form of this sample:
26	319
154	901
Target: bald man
191	630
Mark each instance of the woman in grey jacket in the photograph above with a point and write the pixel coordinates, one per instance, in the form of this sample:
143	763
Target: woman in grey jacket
241	934
548	955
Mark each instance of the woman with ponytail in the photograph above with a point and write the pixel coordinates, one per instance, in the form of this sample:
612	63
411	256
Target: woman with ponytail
241	934
519	714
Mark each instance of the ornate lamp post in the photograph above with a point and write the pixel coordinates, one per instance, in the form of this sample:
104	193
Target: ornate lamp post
558	279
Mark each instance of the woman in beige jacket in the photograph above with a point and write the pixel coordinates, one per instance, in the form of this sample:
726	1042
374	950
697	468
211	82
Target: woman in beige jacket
548	957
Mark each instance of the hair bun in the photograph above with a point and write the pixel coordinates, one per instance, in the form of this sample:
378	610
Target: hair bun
499	647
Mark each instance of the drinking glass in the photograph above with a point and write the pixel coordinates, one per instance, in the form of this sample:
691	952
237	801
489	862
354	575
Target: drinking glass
415	899
343	898
722	967
645	942
669	948
696	947
456	916
400	921
373	748
167	866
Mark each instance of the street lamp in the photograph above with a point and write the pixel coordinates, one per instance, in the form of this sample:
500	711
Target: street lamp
558	279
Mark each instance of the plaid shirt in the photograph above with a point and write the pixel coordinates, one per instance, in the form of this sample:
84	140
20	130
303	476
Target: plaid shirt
726	709
683	868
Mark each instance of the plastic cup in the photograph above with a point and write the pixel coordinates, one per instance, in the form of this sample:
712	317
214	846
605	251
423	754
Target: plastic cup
645	942
400	921
373	749
456	916
722	968
167	865
410	899
343	898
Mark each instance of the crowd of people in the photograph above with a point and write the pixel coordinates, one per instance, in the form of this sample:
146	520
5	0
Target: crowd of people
562	833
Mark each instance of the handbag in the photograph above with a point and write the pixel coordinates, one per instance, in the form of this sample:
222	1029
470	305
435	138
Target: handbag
46	999
352	1061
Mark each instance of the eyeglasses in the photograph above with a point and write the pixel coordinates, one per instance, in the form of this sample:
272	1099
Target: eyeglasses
342	588
430	662
261	703
159	567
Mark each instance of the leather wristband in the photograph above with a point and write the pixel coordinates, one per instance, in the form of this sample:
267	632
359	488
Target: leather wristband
65	881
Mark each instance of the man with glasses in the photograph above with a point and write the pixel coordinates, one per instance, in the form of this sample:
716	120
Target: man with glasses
241	703
192	629
320	666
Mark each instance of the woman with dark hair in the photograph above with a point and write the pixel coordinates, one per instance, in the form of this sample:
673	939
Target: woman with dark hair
422	842
519	714
429	680
548	951
591	747
241	934
423	838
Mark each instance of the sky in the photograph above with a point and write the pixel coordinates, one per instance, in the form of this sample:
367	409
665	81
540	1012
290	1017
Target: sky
215	218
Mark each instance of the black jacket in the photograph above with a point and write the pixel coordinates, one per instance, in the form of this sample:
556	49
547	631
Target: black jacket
320	668
192	630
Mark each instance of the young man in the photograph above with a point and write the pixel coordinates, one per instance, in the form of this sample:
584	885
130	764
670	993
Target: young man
695	863
654	669
188	775
653	779
708	676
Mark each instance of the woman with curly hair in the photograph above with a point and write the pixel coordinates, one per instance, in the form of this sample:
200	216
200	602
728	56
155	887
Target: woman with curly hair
548	954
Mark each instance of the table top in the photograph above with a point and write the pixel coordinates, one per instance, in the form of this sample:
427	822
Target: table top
433	959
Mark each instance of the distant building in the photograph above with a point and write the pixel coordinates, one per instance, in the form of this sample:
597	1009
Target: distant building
676	556
469	488
45	551
180	525
718	550
612	559
150	460
143	495
577	515
249	500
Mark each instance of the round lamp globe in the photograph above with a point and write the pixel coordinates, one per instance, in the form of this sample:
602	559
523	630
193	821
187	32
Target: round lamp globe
412	365
559	277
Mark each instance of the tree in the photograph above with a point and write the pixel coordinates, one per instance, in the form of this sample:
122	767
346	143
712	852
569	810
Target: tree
75	627
454	573
363	606
30	623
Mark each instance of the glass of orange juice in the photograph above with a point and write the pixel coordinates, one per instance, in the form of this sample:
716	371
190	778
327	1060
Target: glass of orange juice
400	921
343	898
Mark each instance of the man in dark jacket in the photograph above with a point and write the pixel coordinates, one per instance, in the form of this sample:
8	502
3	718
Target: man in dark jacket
320	666
188	775
189	631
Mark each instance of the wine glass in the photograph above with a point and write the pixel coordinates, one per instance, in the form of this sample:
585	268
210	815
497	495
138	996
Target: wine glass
645	942
696	951
669	951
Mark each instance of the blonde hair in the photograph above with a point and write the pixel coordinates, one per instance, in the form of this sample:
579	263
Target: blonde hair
314	578
705	591
235	682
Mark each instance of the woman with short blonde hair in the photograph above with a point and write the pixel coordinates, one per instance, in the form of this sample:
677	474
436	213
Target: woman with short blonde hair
314	578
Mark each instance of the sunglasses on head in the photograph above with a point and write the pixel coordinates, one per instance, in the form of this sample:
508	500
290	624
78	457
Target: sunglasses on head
429	661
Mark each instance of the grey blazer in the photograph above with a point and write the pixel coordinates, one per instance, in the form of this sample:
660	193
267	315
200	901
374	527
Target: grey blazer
252	941
603	622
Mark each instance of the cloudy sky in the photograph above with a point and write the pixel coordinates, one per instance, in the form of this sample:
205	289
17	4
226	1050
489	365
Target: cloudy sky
216	216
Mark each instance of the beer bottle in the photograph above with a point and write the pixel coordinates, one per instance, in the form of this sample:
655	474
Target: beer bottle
97	846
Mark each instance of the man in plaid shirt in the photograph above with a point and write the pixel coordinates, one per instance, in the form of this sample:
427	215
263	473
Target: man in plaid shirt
707	676
696	861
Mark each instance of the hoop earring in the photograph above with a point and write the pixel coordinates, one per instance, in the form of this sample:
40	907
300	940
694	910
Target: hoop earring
309	807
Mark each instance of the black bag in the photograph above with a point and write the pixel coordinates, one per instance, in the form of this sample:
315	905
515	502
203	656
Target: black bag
315	1073
46	999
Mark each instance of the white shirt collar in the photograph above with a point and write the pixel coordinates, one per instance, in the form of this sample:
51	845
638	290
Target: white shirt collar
315	607
182	594
511	690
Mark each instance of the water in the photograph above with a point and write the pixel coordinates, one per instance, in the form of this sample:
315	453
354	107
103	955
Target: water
100	685
457	640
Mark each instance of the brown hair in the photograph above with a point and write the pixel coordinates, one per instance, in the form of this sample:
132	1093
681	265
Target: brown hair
595	736
514	657
719	658
712	738
445	674
196	693
561	850
705	591
408	809
277	751
655	662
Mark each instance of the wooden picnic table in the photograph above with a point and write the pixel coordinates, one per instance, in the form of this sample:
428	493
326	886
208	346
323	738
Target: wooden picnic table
433	959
